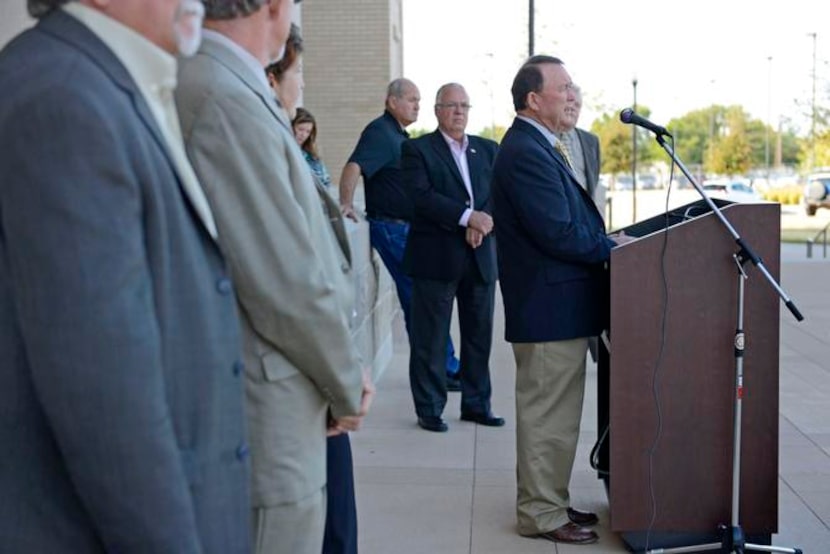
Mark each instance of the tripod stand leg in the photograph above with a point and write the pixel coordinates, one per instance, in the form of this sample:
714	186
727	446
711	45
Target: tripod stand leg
734	540
765	548
682	549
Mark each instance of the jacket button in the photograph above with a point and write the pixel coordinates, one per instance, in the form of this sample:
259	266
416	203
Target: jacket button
242	452
223	285
467	203
238	366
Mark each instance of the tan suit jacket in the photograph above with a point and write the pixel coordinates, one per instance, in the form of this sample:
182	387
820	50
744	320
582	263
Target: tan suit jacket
293	279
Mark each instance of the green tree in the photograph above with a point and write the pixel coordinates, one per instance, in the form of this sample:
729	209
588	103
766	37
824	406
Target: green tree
617	146
791	148
693	133
415	133
730	152
495	133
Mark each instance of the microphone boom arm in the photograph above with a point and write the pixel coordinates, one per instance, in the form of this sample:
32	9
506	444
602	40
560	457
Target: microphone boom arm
745	252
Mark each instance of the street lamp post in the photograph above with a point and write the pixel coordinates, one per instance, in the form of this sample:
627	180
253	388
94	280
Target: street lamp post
491	57
531	28
767	126
813	118
634	158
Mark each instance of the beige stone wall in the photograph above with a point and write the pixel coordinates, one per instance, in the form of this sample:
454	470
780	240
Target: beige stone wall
351	54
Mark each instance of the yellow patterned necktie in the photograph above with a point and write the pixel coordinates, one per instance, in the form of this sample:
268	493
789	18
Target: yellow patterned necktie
562	149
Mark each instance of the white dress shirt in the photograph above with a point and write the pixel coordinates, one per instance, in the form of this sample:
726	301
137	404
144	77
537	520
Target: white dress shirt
154	72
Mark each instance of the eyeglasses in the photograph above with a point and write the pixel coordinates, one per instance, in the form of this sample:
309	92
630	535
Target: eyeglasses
455	106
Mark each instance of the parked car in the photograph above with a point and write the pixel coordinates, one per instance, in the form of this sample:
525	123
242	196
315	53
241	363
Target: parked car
817	192
623	182
647	181
736	191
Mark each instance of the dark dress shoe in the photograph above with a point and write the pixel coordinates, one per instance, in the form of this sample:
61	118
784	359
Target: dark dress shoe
453	383
432	423
584	519
570	533
487	419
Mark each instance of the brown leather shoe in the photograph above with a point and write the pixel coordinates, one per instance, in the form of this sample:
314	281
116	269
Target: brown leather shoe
584	519
570	533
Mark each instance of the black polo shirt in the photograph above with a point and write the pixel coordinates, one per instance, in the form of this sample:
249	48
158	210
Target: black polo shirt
378	153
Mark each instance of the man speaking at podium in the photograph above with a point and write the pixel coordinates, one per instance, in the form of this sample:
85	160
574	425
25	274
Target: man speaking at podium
552	249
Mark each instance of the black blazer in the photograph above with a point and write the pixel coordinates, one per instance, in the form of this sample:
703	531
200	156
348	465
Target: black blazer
436	247
551	243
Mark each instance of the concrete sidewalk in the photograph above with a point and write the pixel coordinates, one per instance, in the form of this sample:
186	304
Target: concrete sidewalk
454	493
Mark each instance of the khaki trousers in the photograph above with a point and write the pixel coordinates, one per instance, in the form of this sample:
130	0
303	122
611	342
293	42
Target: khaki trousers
295	528
550	385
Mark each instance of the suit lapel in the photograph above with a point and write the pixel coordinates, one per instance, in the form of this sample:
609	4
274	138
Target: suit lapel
439	144
332	211
476	166
67	28
228	59
545	143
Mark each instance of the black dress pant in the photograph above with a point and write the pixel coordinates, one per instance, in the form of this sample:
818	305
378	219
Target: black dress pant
341	511
431	313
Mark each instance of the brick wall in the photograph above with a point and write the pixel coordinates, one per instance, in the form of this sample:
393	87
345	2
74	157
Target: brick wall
351	53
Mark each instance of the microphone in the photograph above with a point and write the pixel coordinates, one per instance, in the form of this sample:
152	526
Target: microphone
630	116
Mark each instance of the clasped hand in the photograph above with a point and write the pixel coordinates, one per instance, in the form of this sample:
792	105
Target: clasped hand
352	423
479	225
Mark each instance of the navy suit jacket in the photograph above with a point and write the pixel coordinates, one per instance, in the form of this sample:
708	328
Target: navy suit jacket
551	243
436	247
121	404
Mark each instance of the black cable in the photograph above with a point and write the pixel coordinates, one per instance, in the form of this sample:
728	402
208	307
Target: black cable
658	364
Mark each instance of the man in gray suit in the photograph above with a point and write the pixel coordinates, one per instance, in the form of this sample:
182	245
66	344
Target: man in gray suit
303	373
121	406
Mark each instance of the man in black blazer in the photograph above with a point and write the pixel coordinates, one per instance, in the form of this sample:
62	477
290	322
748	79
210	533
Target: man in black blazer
552	248
450	254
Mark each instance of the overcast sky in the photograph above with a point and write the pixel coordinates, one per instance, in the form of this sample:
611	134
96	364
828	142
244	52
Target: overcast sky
684	55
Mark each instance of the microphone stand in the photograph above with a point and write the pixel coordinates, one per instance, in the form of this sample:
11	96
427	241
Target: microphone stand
733	538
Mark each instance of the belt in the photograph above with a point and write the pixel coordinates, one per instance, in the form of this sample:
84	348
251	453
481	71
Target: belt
387	220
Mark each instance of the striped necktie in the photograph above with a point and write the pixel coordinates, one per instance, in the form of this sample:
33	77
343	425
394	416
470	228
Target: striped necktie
562	149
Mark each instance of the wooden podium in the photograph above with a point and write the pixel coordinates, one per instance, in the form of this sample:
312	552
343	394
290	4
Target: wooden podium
669	369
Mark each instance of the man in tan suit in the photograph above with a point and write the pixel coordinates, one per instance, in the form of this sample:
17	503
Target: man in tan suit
292	271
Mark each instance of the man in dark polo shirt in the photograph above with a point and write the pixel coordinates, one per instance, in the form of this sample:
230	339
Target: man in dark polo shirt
377	157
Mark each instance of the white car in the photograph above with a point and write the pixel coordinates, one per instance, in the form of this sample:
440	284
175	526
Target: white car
735	191
817	192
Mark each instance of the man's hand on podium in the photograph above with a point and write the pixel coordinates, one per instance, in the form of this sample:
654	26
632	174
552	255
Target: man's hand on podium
621	238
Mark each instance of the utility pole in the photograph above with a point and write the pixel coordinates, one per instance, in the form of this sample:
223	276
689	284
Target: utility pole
531	19
634	158
767	126
813	122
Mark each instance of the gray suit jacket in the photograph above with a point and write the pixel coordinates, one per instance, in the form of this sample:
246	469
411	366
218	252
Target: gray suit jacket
590	151
121	411
294	280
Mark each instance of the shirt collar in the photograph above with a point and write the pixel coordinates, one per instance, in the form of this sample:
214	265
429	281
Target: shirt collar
452	143
551	137
388	115
150	67
244	56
